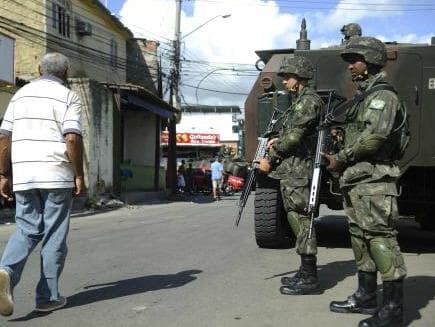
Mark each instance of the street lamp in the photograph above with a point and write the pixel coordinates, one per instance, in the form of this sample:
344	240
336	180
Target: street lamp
174	95
206	22
207	75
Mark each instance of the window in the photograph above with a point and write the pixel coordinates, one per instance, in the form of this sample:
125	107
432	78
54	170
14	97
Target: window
113	53
61	18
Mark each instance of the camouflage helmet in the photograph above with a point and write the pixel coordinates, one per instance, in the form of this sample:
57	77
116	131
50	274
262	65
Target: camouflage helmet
372	49
350	30
297	65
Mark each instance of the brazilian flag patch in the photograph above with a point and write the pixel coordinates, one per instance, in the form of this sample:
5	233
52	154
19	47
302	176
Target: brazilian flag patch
377	104
299	107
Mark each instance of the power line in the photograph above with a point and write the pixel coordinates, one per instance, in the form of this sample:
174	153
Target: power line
212	90
96	56
50	18
329	8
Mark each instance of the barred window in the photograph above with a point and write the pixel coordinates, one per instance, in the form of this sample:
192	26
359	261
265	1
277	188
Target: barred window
61	18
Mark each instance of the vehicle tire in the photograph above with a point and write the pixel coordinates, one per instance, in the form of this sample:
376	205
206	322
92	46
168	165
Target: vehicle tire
426	222
271	226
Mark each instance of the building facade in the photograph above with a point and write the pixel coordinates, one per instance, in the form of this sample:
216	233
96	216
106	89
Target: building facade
205	131
115	75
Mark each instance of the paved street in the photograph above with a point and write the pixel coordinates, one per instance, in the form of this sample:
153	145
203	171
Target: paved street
184	264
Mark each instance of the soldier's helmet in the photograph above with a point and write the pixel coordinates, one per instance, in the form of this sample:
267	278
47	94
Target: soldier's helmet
297	65
372	49
350	30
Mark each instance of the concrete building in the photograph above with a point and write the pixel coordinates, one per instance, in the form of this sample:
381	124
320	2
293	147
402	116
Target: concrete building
116	76
204	130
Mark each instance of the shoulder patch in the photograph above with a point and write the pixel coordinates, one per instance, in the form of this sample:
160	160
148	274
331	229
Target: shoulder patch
299	107
377	104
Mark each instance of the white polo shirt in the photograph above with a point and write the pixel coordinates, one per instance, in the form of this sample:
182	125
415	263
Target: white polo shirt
38	117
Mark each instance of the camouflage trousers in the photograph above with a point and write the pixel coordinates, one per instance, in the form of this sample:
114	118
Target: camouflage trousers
295	192
372	213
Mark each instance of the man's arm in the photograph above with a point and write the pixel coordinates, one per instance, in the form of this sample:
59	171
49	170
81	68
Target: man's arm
5	167
74	149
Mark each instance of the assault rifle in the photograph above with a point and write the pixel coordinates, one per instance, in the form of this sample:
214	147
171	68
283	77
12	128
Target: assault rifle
327	118
259	154
334	114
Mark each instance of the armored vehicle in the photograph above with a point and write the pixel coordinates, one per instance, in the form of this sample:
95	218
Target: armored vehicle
410	69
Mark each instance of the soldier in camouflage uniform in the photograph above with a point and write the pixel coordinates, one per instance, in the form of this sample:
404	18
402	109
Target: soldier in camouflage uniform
349	31
368	180
292	152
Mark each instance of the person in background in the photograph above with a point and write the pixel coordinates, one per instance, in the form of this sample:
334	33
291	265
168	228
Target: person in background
41	161
216	177
181	180
189	178
350	31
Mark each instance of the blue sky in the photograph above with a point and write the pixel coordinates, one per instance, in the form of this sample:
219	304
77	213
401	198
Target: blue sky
220	55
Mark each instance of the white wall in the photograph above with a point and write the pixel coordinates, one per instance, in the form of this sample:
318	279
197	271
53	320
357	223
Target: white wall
97	129
215	123
139	137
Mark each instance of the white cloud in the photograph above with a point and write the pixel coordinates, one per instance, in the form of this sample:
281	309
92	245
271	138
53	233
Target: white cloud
406	38
253	25
347	12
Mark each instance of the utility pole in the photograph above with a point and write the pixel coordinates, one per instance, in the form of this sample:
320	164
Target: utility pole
175	102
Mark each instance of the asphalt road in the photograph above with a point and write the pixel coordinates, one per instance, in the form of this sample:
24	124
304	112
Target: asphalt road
184	264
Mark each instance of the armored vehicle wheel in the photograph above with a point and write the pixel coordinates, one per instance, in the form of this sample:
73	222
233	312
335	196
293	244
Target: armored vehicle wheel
426	221
271	226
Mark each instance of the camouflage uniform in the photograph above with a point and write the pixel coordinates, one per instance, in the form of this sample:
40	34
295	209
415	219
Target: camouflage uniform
294	152
369	183
369	187
295	149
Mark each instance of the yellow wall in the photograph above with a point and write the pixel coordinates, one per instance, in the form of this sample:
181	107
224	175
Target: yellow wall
5	97
29	40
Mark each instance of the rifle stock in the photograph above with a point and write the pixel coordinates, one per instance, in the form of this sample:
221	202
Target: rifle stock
324	123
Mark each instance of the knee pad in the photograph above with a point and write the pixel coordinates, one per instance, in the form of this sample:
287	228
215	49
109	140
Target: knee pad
362	256
389	261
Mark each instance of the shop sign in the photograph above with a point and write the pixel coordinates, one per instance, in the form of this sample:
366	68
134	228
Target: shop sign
192	138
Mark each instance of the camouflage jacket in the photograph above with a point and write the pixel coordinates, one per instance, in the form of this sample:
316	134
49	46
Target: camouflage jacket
297	138
369	143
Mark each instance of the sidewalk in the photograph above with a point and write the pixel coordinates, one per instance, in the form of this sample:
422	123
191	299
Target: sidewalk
81	206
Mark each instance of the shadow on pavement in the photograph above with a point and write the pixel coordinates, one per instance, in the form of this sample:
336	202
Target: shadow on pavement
106	291
418	292
120	288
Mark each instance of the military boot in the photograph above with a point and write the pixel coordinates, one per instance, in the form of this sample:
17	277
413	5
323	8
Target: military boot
293	279
391	312
306	281
363	300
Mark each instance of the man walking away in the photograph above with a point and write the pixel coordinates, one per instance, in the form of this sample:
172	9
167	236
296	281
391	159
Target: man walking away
40	139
